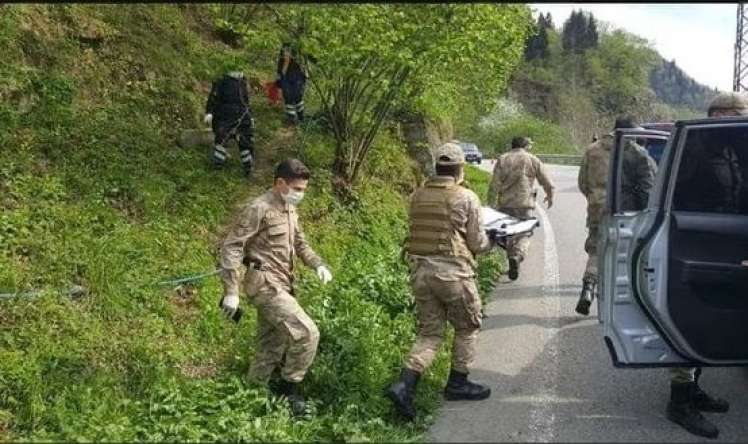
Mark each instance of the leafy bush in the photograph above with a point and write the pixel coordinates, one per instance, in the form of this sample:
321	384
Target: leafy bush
548	137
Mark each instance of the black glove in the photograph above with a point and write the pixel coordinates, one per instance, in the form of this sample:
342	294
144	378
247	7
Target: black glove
493	235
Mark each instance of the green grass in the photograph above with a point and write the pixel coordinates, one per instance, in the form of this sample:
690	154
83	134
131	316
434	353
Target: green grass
548	137
94	192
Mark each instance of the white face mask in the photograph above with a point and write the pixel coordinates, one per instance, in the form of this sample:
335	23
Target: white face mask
293	197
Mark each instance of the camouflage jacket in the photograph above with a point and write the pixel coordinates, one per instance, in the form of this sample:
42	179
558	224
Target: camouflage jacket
637	177
268	233
514	175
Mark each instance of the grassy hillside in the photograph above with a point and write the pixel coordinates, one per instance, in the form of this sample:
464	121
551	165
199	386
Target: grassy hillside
94	192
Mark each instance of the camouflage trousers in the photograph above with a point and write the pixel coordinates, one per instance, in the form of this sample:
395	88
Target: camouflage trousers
517	247
682	375
590	246
439	301
284	330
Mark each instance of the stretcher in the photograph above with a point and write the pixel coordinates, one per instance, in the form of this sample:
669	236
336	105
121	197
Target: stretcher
507	226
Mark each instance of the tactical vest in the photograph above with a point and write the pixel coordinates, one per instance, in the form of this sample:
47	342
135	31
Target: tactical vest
233	92
432	232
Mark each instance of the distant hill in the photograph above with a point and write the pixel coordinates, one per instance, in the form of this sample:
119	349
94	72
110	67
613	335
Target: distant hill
581	76
674	87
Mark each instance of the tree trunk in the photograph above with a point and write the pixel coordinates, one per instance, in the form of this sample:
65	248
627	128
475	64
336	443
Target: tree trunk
421	137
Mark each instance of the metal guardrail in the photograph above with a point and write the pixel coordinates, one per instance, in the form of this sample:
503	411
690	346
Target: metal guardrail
561	159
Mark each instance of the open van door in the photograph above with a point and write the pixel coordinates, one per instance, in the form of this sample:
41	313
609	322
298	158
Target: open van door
630	334
674	276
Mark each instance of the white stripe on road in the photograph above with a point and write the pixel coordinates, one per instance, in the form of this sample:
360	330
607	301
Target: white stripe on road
542	418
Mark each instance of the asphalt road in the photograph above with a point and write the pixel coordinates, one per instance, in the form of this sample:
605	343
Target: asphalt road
550	373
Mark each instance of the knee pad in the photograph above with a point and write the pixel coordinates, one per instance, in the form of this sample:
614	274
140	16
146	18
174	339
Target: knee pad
219	153
246	156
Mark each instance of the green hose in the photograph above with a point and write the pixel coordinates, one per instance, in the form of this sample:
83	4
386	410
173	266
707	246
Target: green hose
27	294
74	291
196	277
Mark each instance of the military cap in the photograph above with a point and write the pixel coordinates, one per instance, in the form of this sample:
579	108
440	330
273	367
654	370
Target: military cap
729	101
450	154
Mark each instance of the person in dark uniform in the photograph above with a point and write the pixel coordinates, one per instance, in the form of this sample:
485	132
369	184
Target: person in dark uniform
292	77
229	114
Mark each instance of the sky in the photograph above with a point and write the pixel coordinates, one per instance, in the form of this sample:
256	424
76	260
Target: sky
700	37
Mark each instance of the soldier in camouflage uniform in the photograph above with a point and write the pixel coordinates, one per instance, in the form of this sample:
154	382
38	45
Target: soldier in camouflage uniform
712	184
445	235
512	192
266	238
637	179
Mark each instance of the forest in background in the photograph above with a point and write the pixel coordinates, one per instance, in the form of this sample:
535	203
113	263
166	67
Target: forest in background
576	78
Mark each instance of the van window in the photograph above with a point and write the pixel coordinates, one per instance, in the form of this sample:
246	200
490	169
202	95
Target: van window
713	171
655	148
636	178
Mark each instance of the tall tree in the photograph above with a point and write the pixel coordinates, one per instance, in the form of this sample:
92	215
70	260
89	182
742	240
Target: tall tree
537	44
549	21
579	33
591	34
407	56
570	33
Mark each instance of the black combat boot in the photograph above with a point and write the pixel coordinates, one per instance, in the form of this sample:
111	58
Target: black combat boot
513	268
275	382
704	402
682	411
290	120
402	392
292	392
458	387
585	298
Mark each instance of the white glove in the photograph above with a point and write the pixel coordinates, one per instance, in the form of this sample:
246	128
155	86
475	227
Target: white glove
230	304
208	119
324	274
